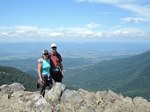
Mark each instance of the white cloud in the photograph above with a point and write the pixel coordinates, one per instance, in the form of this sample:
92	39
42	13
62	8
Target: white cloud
92	25
142	10
87	31
34	32
134	20
26	28
135	6
55	34
130	33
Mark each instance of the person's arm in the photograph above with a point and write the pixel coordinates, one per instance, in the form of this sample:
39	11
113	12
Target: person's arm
39	70
61	66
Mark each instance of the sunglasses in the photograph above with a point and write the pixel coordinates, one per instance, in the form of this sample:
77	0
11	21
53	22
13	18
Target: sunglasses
54	47
46	54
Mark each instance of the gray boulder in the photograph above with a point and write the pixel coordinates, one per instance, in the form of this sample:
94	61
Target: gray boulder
60	99
55	93
11	88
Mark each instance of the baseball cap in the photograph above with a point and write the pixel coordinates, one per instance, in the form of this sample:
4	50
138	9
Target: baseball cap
45	51
53	45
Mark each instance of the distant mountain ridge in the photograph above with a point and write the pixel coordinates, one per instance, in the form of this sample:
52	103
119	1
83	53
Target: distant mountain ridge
130	76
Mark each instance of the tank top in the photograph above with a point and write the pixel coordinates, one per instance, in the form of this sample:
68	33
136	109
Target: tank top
45	67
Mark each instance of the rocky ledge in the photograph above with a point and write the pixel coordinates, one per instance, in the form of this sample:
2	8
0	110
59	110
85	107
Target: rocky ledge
13	98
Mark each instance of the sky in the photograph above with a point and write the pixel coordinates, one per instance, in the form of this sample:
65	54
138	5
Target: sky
74	20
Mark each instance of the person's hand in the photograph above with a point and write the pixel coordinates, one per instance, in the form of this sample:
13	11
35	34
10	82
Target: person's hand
42	82
62	75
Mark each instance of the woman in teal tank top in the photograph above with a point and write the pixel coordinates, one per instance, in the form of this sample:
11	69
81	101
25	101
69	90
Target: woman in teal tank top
45	66
44	72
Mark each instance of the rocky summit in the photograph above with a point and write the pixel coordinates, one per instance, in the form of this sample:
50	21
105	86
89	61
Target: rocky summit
14	98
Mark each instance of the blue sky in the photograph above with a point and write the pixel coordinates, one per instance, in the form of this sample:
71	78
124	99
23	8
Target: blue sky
74	20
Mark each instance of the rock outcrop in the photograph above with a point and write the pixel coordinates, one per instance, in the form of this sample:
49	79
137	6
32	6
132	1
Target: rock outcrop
13	98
